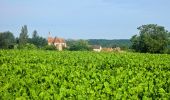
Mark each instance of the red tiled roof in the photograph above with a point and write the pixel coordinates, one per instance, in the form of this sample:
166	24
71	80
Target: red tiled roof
56	40
50	40
59	40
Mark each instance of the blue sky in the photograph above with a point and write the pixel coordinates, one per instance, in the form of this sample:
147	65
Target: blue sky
83	19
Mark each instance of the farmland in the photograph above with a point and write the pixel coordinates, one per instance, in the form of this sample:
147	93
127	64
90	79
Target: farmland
83	75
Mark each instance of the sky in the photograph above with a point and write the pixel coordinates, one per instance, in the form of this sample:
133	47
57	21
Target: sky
83	19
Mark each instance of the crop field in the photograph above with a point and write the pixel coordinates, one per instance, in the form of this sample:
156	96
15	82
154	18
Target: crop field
56	75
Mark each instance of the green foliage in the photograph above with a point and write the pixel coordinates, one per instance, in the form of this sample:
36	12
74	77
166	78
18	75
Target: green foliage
122	43
78	45
29	46
38	41
7	40
23	37
49	47
54	75
152	39
168	50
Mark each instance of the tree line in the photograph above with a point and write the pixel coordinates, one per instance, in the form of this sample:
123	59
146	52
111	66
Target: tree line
122	43
8	40
152	38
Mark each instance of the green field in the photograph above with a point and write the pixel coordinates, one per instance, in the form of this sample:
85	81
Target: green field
83	75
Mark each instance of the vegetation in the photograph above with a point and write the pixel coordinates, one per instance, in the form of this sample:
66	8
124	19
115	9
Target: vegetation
83	75
49	47
30	73
122	43
23	38
78	45
152	39
29	46
37	40
7	40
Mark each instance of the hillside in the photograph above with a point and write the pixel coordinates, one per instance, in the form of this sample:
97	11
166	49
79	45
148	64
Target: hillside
124	43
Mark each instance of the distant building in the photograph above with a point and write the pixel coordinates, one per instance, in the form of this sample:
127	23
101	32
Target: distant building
59	43
96	48
107	49
117	49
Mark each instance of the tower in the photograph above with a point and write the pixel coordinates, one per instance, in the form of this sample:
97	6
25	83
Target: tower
49	34
50	39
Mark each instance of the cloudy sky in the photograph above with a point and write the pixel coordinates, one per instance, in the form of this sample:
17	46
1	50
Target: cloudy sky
83	19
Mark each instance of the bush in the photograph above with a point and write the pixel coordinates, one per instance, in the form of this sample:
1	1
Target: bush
50	47
168	51
28	46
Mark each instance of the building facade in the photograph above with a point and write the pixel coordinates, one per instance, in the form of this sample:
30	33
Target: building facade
59	43
97	48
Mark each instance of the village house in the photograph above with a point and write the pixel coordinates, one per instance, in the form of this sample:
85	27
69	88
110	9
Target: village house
117	49
96	48
107	49
59	43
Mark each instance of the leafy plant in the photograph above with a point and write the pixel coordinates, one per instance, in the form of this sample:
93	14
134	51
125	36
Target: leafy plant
83	75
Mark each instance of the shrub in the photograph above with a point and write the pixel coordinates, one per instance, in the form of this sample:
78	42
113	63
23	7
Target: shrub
50	47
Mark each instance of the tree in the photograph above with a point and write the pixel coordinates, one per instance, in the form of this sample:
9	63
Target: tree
169	37
79	45
34	34
7	40
37	40
23	38
152	38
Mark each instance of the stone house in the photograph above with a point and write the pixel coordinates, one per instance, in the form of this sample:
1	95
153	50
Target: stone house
96	48
59	43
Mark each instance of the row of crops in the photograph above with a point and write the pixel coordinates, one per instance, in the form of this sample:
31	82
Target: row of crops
83	75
